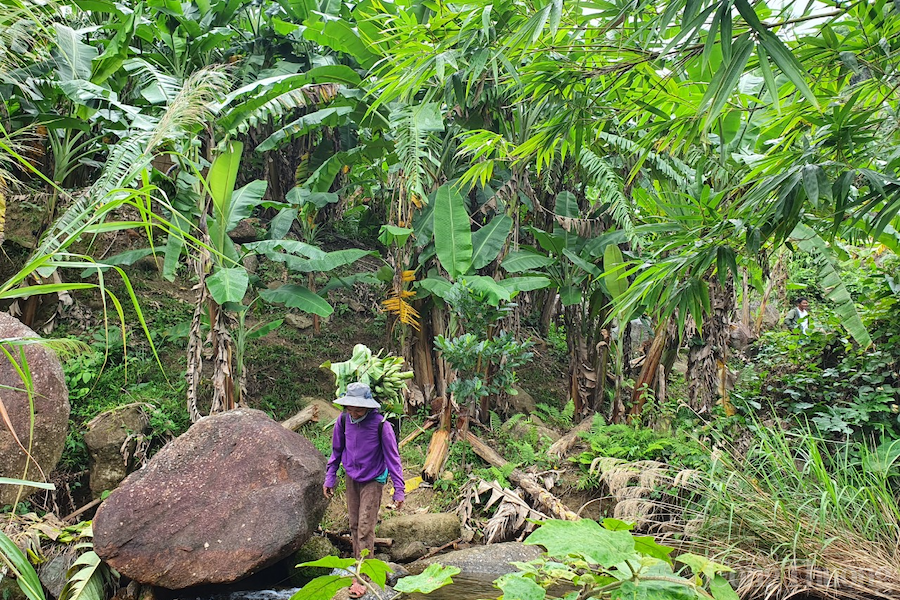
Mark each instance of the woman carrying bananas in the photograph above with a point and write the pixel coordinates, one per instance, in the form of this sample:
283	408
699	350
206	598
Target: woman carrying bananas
367	448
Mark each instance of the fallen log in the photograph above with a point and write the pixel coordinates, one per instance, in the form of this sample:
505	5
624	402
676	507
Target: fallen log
550	503
428	424
310	413
438	449
83	509
346	539
559	448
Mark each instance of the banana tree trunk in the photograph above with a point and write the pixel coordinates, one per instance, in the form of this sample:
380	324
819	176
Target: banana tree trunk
588	357
704	359
647	379
223	353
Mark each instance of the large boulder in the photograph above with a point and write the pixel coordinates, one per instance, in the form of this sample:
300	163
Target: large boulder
111	439
234	494
51	410
521	402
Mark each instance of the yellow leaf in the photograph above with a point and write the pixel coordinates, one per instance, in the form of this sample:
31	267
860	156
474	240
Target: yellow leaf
413	484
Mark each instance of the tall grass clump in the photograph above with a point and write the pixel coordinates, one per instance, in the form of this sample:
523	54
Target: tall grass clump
799	515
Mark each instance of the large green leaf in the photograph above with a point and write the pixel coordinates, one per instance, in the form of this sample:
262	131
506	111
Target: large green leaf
526	259
493	291
273	249
721	589
452	233
326	117
391	234
334	562
85	579
281	223
328	262
323	587
586	539
524	284
243	201
340	35
297	296
26	577
435	576
376	570
300	196
72	57
831	282
221	179
228	285
664	589
488	241
515	586
614	271
438	286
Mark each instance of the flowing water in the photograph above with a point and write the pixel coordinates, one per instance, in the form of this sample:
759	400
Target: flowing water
463	588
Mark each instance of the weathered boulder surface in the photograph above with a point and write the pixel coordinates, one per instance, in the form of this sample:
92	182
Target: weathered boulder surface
51	410
111	439
492	560
234	494
431	529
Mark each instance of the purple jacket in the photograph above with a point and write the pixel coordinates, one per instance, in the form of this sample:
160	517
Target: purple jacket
363	455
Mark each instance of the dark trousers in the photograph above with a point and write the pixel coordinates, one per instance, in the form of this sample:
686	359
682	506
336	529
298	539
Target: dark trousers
363	503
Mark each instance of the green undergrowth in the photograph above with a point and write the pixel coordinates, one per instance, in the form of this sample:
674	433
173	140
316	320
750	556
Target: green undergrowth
632	443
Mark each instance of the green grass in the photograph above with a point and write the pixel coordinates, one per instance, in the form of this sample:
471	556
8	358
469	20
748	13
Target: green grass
796	505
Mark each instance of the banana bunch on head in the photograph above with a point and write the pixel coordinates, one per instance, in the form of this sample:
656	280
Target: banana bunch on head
383	375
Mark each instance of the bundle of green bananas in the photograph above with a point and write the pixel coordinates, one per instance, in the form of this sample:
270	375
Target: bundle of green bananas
381	373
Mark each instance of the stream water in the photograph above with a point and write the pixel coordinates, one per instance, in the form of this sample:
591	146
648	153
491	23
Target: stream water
463	588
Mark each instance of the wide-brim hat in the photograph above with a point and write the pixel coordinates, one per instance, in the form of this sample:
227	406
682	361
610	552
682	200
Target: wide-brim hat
358	394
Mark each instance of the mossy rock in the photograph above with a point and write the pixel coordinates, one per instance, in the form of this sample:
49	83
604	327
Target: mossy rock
315	548
10	590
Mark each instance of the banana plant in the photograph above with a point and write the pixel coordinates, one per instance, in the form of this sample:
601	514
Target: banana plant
223	280
568	262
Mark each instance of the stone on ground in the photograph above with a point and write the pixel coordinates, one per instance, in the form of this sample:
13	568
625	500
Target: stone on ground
491	560
432	530
107	435
51	411
315	548
234	494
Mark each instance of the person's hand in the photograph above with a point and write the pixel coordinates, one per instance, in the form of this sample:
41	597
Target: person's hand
398	504
329	492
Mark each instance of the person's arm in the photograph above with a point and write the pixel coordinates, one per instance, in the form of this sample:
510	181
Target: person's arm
790	320
334	462
392	458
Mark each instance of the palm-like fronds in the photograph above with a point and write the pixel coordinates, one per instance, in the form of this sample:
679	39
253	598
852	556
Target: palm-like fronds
412	127
831	282
671	167
611	190
271	98
147	75
188	110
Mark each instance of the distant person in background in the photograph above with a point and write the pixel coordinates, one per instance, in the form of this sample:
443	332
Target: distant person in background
366	445
798	317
